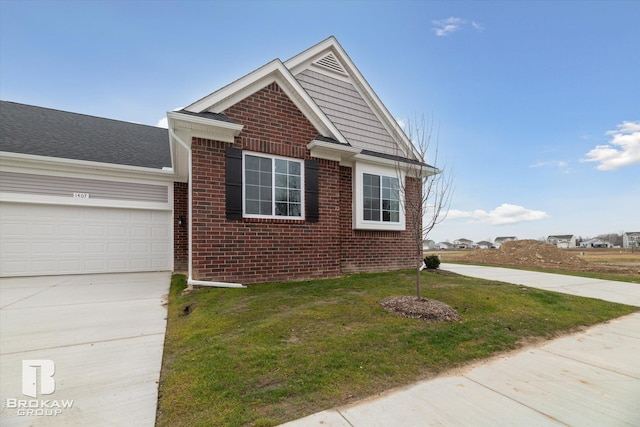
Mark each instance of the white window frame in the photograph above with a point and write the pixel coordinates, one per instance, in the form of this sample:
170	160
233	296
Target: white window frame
273	186
359	223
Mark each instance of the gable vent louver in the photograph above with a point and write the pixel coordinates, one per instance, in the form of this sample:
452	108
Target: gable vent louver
331	62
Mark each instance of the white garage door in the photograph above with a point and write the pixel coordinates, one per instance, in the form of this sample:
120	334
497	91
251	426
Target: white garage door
48	239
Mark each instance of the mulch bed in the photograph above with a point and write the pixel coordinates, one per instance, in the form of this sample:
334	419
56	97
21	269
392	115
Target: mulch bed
424	309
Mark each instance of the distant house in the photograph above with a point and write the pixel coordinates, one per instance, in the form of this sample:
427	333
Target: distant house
500	240
483	244
631	239
595	243
443	246
428	245
462	243
563	241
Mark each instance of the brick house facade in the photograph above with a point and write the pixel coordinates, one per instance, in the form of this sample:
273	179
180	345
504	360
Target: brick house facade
305	222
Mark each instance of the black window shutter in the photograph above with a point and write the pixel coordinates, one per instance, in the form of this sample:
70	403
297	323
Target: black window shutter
233	183
311	190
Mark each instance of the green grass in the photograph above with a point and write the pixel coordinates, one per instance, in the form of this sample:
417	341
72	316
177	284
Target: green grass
276	352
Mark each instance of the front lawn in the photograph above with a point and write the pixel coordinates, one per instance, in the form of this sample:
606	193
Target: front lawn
276	352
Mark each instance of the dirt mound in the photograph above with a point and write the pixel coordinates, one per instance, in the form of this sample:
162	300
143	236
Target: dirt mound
528	253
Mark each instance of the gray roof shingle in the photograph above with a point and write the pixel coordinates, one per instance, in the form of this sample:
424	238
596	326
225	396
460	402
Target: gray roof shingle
28	129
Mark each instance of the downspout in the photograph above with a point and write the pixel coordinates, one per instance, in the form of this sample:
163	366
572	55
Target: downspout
190	281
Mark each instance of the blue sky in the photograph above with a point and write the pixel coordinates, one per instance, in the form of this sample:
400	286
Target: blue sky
537	103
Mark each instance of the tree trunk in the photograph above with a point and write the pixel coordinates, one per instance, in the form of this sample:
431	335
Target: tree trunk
418	283
419	264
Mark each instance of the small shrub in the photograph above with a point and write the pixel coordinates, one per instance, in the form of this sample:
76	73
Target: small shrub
432	262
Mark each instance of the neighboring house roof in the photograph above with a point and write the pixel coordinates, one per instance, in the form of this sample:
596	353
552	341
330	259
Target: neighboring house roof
464	240
561	236
27	129
327	87
505	238
632	233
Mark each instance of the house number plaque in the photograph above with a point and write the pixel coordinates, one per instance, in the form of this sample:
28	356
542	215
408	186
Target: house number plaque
80	195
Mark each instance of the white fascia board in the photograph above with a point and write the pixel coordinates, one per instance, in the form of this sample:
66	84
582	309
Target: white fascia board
409	168
8	160
305	56
274	71
202	127
332	151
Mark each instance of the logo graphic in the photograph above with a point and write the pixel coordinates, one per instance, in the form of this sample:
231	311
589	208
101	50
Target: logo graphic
37	373
30	377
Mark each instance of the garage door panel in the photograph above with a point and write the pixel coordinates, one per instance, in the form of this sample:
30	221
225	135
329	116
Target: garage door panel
44	266
76	248
95	248
118	248
48	229
44	239
118	231
71	265
12	267
141	231
140	263
141	248
94	230
71	231
94	264
39	248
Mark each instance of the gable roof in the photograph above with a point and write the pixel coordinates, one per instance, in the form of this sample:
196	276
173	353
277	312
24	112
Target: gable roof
273	72
327	87
27	129
334	82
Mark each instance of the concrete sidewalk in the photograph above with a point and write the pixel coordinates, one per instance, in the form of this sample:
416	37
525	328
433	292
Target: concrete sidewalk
587	379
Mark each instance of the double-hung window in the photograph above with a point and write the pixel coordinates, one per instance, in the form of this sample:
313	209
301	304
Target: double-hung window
378	198
273	187
381	198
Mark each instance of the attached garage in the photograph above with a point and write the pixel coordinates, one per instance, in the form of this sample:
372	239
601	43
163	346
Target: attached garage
49	240
99	201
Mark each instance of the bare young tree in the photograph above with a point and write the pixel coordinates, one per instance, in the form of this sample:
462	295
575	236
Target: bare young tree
426	187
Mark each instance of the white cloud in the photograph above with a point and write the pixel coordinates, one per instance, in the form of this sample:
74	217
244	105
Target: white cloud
561	165
623	148
503	214
477	26
163	123
444	27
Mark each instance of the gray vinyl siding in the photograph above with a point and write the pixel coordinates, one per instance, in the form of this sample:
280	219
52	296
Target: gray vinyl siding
348	111
45	185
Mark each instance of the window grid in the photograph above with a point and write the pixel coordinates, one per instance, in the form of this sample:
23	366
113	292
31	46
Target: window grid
273	187
381	198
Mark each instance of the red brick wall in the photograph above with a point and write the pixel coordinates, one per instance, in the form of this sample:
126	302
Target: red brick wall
180	232
371	251
263	250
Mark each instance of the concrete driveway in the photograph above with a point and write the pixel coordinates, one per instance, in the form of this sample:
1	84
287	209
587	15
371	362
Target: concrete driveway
103	334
